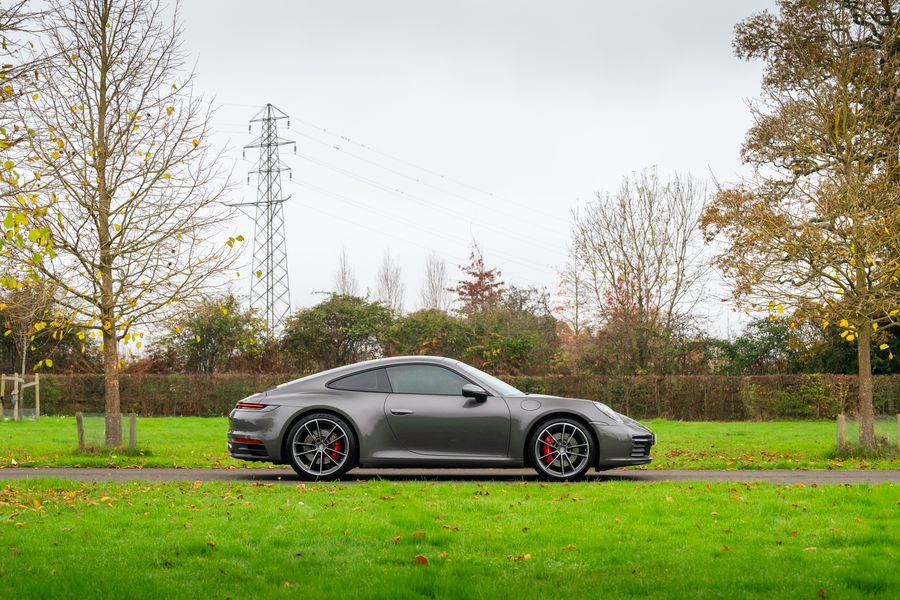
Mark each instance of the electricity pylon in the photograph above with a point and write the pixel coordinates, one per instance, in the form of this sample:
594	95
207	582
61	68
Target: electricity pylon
269	287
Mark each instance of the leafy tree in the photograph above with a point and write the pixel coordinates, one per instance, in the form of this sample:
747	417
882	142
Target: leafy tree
31	327
430	332
519	336
481	288
816	231
767	346
338	331
20	68
216	335
120	145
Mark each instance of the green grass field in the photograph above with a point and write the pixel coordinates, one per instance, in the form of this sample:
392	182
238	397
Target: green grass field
491	540
200	442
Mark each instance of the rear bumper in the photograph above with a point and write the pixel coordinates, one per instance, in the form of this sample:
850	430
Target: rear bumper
255	435
623	445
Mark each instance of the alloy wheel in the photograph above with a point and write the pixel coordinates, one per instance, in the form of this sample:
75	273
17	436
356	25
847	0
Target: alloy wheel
562	449
320	447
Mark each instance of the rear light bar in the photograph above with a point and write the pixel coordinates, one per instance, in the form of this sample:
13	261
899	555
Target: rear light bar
241	440
250	405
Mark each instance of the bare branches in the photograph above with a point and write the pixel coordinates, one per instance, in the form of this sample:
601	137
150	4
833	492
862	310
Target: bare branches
637	257
134	192
345	283
389	289
434	294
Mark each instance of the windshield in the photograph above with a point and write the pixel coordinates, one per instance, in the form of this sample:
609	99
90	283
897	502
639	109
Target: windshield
498	385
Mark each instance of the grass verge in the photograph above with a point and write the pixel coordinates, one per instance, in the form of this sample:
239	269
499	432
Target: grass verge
453	540
200	442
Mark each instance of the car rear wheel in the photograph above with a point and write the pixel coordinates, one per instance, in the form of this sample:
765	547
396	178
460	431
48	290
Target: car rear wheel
321	446
561	449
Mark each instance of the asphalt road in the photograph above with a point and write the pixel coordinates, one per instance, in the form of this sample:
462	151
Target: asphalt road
287	476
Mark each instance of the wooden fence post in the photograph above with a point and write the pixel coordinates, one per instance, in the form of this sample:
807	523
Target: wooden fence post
841	429
132	432
15	398
79	424
37	396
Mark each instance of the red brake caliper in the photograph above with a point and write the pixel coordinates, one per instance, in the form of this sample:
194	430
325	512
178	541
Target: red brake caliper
337	448
545	450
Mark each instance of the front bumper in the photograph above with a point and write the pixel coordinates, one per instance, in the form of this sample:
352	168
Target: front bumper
623	445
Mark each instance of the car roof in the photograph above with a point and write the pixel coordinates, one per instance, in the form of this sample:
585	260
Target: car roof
328	375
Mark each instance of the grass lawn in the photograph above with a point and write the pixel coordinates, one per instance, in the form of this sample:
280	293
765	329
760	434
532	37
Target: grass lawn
200	442
491	540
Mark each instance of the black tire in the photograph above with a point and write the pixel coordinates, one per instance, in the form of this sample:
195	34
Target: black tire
321	447
561	449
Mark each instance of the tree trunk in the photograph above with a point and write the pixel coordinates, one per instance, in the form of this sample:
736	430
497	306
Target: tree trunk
104	201
866	410
111	379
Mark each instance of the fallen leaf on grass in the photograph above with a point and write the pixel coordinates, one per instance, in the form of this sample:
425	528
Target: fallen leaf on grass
820	592
289	584
725	548
793	534
421	559
569	547
810	548
520	557
451	527
396	539
210	543
419	534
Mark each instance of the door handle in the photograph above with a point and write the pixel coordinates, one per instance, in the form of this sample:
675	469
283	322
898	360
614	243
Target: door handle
401	411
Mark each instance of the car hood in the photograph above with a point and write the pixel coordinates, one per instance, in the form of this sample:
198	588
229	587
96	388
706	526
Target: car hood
625	418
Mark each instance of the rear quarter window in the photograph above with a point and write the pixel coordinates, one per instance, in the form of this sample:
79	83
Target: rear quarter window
373	380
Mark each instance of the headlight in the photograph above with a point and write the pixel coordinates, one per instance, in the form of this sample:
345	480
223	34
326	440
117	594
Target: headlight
608	412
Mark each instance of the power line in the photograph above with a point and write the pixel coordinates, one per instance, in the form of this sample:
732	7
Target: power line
417	226
509	215
414	165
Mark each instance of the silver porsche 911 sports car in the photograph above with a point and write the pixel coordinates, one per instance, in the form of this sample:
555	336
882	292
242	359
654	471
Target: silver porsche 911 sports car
428	412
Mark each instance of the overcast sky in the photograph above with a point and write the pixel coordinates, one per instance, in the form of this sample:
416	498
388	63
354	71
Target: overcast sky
469	119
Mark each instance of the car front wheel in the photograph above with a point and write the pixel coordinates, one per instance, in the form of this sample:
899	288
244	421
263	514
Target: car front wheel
321	446
561	449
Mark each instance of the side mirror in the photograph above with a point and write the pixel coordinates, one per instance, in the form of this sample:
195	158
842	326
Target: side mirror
470	390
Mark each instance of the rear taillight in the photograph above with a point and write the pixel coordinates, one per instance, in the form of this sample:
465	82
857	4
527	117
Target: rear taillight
241	440
250	405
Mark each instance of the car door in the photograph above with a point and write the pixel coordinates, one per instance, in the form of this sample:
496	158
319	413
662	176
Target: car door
429	415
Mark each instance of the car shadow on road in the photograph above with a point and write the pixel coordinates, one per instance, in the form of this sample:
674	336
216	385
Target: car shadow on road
364	476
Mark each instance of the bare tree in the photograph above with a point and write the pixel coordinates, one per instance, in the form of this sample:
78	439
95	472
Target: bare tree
345	283
639	253
121	144
389	290
434	294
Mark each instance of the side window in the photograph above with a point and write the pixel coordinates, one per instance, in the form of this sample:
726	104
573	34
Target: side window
374	380
425	379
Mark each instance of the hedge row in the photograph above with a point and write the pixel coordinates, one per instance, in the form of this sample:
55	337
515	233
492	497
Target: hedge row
717	398
724	398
